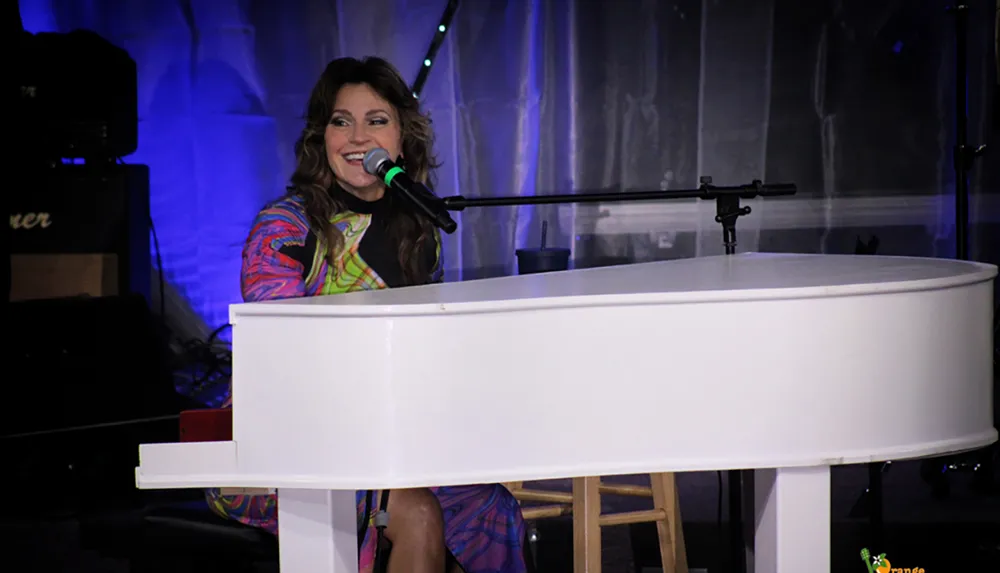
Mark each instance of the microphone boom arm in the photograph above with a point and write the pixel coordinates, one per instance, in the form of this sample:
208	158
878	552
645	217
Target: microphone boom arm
707	191
727	201
432	206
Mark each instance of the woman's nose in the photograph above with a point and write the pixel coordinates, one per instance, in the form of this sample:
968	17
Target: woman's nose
358	133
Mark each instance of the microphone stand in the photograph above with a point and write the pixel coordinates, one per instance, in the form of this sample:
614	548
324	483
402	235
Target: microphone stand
964	155
934	471
727	202
727	211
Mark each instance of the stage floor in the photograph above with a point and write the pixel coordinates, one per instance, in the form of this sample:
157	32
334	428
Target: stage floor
920	531
961	533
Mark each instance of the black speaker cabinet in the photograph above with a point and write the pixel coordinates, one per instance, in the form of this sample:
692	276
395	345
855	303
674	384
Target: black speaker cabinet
80	230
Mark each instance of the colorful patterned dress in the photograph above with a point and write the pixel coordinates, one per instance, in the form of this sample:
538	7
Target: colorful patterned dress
484	529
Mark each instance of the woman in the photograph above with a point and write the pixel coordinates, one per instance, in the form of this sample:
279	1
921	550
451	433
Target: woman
337	230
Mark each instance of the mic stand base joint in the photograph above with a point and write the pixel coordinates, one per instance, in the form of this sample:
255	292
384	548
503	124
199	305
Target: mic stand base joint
727	211
966	155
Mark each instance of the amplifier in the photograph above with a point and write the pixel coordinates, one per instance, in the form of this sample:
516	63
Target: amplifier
85	362
81	230
87	379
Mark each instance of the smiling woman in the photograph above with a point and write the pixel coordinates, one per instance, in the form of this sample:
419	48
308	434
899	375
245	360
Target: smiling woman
361	120
335	231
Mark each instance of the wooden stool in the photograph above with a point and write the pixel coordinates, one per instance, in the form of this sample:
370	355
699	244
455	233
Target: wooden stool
585	506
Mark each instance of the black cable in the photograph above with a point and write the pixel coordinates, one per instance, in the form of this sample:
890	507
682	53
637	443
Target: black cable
215	333
159	271
159	261
381	521
363	526
718	509
215	365
206	365
718	505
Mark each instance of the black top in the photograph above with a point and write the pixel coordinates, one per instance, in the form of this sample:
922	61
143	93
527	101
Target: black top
377	248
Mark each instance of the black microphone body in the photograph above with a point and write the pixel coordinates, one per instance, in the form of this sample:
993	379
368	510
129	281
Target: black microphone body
378	163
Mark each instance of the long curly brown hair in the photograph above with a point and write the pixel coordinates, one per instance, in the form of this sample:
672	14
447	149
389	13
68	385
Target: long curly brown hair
313	178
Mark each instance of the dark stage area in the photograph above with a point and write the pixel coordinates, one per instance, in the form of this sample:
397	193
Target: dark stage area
952	535
566	136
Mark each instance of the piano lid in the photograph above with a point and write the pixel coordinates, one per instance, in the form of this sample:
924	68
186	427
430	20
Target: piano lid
753	276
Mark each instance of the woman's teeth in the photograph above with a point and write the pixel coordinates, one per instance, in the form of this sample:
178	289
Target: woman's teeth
354	156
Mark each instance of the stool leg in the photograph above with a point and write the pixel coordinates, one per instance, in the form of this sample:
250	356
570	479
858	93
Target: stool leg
513	486
587	525
670	531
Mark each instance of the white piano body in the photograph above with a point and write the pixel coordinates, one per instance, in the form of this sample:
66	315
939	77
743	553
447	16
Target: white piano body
785	364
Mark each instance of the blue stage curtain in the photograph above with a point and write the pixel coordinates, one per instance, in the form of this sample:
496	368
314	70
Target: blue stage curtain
849	99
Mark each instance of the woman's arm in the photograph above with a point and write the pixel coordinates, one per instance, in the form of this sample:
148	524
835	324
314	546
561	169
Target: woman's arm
270	271
272	267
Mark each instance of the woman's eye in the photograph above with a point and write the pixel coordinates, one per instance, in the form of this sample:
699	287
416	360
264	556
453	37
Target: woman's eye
379	121
338	122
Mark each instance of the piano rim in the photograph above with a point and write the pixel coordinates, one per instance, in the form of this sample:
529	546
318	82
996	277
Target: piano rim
233	479
314	307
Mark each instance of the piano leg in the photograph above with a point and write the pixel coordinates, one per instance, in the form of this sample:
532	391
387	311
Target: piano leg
792	511
317	531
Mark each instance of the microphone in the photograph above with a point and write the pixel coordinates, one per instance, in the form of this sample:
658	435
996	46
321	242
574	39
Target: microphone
378	163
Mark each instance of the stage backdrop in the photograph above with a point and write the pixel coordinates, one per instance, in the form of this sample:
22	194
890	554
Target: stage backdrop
850	99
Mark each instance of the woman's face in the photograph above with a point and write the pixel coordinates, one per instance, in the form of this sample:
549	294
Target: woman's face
361	121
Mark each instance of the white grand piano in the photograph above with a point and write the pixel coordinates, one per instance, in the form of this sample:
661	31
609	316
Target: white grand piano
784	364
